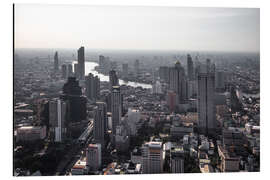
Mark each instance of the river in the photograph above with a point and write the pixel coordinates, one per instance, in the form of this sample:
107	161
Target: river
90	68
241	94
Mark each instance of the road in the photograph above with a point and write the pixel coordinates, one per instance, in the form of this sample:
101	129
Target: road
73	155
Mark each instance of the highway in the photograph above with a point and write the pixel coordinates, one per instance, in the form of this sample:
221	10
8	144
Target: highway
75	152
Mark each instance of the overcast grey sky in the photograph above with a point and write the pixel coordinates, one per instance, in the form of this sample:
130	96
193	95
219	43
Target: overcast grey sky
121	27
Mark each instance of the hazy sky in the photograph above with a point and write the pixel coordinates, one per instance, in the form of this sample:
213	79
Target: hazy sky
120	27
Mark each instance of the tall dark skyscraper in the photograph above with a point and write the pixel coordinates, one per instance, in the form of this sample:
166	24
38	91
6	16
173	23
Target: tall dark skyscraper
76	70
206	107
164	73
190	68
81	63
137	67
76	103
64	71
208	65
108	100
125	70
92	84
70	70
220	80
116	103
100	122
56	62
114	81
178	82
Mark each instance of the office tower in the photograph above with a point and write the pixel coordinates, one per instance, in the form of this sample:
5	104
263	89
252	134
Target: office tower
197	68
134	117
116	107
192	86
190	68
64	71
208	65
92	84
152	158
57	119
178	82
125	70
101	62
235	102
105	96
121	138
31	133
172	101
93	157
76	70
100	123
177	160
164	73
56	62
206	107
81	63
108	100
220	80
70	71
114	81
43	111
137	67
114	65
156	88
76	103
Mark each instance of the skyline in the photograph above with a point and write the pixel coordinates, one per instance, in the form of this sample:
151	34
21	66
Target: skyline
155	28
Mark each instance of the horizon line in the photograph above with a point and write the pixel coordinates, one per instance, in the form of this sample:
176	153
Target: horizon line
120	49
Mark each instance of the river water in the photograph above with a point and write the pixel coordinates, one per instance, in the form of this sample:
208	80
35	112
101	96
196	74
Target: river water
241	94
90	68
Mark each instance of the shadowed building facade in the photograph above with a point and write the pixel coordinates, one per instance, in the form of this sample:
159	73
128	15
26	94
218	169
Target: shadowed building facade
100	123
76	103
206	106
81	63
56	62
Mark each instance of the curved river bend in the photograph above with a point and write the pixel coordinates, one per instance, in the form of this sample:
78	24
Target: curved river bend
90	68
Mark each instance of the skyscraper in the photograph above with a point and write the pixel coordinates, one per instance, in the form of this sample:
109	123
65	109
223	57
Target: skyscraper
121	138
116	103
172	101
56	62
57	119
208	65
114	81
101	61
64	71
93	157
220	80
70	70
100	123
190	68
152	158
76	103
134	117
177	160
178	82
76	70
92	84
81	63
164	73
125	70
137	67
206	107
